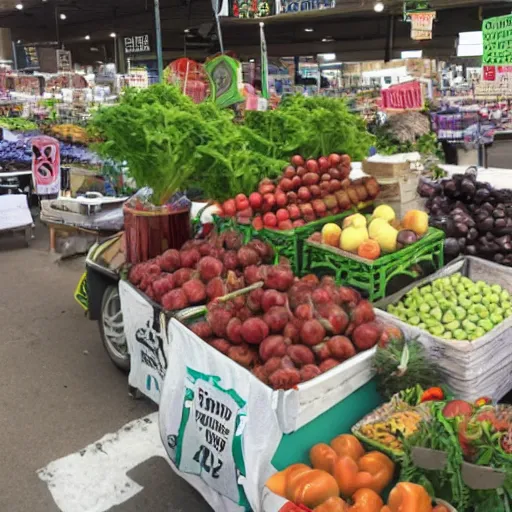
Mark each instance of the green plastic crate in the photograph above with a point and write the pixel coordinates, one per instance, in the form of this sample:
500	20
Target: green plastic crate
373	276
289	243
224	224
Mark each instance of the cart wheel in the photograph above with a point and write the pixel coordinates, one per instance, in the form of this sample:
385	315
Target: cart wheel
112	329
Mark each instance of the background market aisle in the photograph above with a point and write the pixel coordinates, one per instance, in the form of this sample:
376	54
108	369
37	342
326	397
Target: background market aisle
60	392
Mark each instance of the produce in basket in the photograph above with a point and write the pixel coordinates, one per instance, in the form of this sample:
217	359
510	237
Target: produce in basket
390	431
476	217
357	476
467	433
380	234
401	365
307	190
455	307
292	330
359	481
202	271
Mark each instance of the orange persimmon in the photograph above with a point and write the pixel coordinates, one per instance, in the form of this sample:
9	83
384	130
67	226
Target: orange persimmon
373	471
369	249
334	504
347	444
406	496
277	482
293	476
366	500
346	472
380	466
322	456
311	488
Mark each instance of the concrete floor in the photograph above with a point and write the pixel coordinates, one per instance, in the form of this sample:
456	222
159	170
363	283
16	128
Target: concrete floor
59	391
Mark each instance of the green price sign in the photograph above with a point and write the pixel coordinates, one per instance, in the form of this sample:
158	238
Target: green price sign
497	39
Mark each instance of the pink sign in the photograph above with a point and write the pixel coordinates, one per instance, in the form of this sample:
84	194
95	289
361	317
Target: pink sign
490	73
46	165
406	96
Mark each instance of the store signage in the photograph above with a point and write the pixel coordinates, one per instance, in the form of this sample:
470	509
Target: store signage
26	57
421	25
63	61
137	44
306	5
489	73
46	165
412	6
497	41
402	97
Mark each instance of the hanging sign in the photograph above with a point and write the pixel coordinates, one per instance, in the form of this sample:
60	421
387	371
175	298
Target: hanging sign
63	61
403	97
497	41
421	25
489	73
137	44
46	165
413	6
305	5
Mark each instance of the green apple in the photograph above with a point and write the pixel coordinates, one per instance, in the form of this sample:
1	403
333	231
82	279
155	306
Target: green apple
486	325
459	334
436	313
436	330
414	320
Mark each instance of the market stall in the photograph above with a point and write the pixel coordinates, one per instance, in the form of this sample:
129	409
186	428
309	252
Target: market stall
293	312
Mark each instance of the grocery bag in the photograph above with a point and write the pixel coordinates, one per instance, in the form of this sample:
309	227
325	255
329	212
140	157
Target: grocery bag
146	334
218	423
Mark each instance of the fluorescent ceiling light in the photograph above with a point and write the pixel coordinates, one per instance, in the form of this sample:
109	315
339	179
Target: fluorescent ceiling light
327	56
327	39
411	54
186	31
63	16
87	37
378	7
113	34
309	30
19	7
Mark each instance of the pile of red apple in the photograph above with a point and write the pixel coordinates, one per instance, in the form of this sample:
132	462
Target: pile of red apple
291	330
201	271
307	191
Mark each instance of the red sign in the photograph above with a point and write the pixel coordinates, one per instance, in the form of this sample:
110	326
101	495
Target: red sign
403	96
490	73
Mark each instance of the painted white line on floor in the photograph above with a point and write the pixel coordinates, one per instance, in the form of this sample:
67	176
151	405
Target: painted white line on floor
94	479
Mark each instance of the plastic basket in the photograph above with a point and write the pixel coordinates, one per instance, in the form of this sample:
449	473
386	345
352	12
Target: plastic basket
373	276
224	224
289	243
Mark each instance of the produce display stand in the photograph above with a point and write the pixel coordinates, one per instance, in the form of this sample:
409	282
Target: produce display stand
373	276
471	369
275	427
